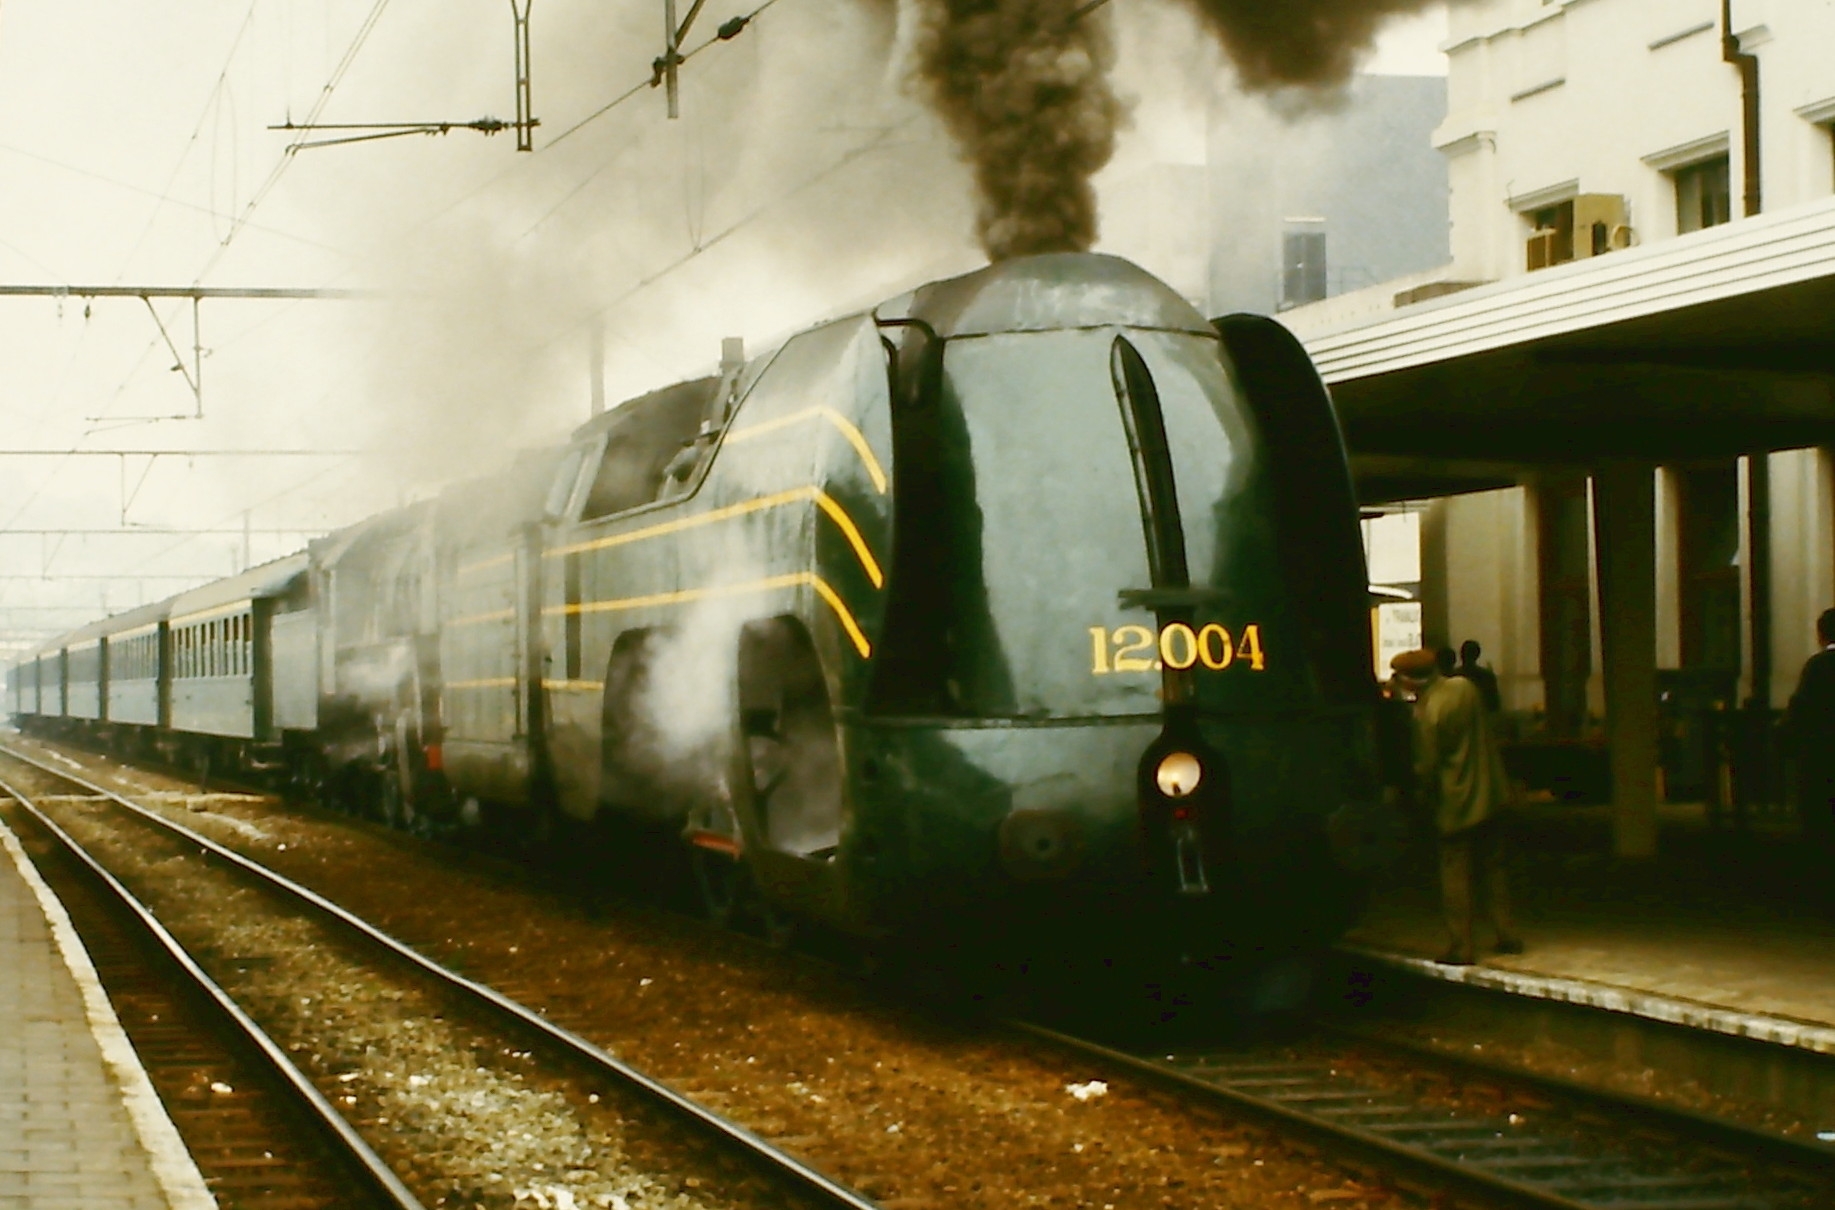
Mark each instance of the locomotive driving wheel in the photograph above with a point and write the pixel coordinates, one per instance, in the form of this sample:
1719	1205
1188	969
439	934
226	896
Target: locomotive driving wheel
723	884
731	899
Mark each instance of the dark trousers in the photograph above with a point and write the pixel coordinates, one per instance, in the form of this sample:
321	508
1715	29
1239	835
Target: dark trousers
1816	809
1473	880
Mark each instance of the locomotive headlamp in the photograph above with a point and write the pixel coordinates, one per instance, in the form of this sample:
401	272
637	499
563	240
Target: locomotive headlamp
1178	774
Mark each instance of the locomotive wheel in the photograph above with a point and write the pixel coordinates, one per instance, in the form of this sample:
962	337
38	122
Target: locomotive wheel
385	799
791	766
779	930
391	805
730	898
724	884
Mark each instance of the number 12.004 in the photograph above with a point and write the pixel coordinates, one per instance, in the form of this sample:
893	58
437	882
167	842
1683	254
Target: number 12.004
1133	649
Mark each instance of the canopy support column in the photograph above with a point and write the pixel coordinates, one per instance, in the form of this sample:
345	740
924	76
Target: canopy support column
1624	528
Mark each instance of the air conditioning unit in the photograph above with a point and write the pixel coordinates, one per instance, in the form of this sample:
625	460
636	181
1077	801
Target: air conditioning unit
1596	215
1541	249
1622	237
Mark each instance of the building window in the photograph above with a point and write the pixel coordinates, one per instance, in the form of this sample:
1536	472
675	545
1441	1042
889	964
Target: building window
1551	237
1302	262
1704	195
1708	564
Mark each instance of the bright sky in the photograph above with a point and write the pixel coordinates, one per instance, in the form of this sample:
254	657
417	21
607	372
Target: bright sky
134	151
1411	46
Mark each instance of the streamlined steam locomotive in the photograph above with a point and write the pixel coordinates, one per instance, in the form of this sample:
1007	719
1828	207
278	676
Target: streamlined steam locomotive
1028	596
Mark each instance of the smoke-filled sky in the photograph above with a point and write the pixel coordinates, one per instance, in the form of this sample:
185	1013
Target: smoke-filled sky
804	179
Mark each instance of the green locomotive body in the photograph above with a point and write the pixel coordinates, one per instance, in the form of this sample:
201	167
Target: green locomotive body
1029	599
896	620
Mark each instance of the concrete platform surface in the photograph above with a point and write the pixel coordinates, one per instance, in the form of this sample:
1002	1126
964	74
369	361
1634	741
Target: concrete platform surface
80	1125
1730	931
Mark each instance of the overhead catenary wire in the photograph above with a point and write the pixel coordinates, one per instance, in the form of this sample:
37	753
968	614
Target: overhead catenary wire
726	32
242	220
286	156
197	130
316	475
165	198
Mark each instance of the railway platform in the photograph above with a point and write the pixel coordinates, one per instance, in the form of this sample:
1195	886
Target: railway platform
80	1125
1725	930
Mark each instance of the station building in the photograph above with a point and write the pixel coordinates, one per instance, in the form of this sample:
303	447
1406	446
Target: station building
1604	428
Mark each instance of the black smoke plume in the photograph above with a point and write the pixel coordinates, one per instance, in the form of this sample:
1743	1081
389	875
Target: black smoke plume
1023	86
1279	43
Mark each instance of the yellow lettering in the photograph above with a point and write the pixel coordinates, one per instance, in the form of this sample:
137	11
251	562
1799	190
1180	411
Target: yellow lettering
1251	646
1130	642
1219	658
1173	637
1099	644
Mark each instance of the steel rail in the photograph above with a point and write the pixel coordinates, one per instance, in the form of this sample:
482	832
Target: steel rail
825	1188
342	1134
1630	1190
1776	1148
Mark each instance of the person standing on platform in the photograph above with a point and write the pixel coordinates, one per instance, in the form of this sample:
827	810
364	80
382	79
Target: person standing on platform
1446	661
1459	776
1479	675
1810	724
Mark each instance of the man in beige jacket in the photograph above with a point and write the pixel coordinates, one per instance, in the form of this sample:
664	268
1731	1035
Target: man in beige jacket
1459	776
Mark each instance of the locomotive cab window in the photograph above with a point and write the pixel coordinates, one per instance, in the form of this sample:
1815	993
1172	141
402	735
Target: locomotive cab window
561	491
653	448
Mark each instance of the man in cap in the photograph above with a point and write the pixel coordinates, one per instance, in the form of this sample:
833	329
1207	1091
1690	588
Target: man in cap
1459	776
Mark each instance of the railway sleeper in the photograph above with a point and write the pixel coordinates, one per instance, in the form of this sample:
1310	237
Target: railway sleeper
1536	1163
1702	1184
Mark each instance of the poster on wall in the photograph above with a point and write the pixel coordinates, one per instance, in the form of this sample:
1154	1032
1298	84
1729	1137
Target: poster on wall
1398	629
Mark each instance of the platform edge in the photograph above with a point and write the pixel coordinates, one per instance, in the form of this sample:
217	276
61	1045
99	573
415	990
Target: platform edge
174	1170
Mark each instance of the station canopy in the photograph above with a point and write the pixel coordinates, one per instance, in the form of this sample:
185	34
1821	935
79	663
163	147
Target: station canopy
1716	343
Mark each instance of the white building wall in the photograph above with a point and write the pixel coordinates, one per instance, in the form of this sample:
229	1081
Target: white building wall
1803	560
1610	96
1490	541
1549	99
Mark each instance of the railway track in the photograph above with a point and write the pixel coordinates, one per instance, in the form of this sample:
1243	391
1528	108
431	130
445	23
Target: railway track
364	1136
260	1134
1430	1123
1502	1138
